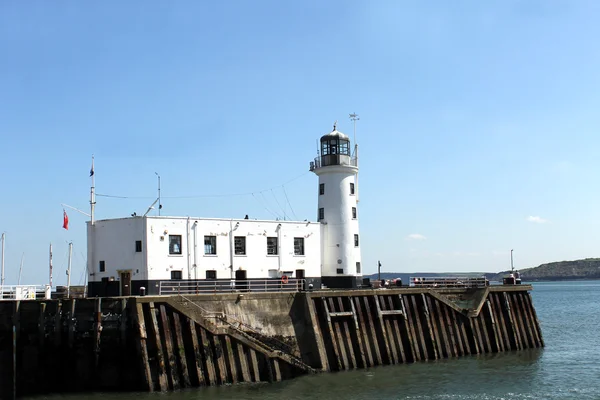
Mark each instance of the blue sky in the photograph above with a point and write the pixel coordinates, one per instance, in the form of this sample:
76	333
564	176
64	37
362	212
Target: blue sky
478	122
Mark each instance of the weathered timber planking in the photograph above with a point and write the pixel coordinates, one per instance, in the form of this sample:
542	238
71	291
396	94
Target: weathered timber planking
233	372
339	335
382	330
197	353
514	338
161	368
167	338
436	334
207	355
361	332
180	350
243	357
334	342
372	332
347	336
419	329
317	333
143	348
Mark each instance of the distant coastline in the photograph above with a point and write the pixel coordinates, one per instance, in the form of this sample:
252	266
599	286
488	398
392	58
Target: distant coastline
576	270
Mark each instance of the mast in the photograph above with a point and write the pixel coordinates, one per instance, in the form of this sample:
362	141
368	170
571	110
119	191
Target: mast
159	205
354	118
21	269
92	193
69	270
50	264
512	268
2	278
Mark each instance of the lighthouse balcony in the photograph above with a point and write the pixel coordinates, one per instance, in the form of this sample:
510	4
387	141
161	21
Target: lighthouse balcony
333	159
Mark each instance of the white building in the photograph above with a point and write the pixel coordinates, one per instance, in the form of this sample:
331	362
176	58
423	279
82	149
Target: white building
126	254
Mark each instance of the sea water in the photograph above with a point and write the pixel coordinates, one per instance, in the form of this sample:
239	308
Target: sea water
567	368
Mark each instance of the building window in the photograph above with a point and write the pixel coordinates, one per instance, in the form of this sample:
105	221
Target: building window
174	244
352	188
358	267
355	240
240	245
176	275
272	246
211	274
340	270
210	245
138	246
353	212
321	188
321	214
101	266
298	246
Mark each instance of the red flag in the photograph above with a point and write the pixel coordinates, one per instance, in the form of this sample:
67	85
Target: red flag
65	220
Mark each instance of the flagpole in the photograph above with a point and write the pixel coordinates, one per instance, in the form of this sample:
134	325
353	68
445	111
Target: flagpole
92	193
50	264
69	270
2	277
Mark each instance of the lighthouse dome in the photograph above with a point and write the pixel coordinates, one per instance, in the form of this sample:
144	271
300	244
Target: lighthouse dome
335	135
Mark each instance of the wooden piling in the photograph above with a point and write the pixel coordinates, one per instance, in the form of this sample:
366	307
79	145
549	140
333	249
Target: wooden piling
231	360
180	350
435	329
246	377
208	358
363	347
372	330
198	369
160	359
143	348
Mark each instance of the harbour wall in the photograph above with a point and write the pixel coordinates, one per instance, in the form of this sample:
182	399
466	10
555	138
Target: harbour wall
167	343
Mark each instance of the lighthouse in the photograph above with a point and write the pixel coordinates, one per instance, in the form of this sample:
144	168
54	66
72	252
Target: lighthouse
337	169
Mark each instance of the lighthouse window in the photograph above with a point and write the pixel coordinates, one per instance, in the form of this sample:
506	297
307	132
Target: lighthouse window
321	214
240	245
351	188
210	245
298	246
344	147
272	246
174	244
138	246
101	266
355	240
321	188
353	212
358	267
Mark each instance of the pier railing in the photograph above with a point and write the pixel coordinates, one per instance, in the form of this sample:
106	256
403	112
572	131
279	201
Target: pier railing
203	286
449	282
25	292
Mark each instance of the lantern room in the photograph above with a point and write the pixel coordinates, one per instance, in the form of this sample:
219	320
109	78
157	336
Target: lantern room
335	150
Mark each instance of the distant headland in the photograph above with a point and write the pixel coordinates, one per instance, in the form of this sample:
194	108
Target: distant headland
588	268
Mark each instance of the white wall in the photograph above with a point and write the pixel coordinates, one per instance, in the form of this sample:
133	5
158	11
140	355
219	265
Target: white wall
256	261
339	227
113	241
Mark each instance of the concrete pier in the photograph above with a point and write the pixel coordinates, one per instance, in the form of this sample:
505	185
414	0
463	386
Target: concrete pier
173	342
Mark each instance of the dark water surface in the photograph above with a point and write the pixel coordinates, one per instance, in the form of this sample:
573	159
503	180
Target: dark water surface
568	368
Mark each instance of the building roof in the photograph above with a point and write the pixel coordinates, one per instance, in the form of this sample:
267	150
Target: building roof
335	134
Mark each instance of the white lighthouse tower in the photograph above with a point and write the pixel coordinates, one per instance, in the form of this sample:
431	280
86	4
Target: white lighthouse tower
337	170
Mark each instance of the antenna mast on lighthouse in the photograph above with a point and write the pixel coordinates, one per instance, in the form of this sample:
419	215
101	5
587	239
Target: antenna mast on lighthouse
354	118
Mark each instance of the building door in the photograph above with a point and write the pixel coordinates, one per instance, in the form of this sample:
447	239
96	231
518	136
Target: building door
126	283
240	280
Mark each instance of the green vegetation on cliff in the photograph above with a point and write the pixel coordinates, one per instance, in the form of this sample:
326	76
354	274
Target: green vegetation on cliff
588	268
